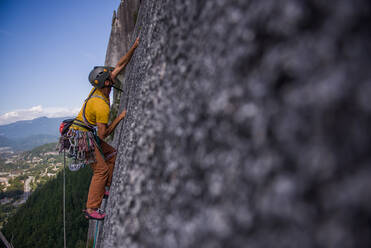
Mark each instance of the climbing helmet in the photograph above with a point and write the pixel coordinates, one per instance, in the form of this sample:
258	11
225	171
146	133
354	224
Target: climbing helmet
99	75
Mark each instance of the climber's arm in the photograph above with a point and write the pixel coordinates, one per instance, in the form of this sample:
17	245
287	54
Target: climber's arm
104	130
127	56
124	60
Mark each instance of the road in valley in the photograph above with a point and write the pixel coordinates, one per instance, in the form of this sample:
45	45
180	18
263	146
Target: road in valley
27	187
27	192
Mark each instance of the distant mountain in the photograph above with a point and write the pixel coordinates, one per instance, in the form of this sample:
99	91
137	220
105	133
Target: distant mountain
33	141
24	129
25	135
4	141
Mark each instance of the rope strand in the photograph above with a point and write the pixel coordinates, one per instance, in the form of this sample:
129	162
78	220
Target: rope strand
64	198
95	235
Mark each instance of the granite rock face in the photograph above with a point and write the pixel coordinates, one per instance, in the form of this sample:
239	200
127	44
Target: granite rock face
123	23
248	126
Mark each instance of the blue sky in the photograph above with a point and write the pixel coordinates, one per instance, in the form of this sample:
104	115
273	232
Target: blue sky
47	49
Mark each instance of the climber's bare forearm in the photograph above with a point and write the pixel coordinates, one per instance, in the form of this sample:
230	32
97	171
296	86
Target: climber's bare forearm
118	69
128	55
112	126
122	63
124	60
104	130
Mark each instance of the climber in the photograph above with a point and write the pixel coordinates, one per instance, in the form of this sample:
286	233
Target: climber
85	144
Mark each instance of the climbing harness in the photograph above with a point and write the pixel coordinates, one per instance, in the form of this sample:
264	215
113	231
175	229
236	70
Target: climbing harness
80	145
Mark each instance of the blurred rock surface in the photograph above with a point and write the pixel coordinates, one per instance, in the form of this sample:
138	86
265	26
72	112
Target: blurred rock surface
248	126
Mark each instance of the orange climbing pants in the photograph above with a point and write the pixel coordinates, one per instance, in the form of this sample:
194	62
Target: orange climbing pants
102	174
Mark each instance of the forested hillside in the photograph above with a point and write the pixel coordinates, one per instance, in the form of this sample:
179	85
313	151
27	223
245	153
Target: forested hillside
39	223
22	173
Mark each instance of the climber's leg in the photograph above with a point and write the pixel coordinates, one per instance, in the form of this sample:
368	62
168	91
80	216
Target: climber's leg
110	155
98	182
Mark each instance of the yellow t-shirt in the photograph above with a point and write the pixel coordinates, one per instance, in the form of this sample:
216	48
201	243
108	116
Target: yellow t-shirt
97	110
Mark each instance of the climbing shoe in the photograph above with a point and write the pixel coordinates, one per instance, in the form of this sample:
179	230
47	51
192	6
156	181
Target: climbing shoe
95	215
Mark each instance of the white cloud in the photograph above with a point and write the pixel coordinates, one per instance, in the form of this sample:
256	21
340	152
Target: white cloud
35	112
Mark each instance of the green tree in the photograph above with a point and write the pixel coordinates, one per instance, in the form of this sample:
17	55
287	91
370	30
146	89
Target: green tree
39	222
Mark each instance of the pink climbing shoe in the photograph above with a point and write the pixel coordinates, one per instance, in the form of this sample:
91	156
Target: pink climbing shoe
95	215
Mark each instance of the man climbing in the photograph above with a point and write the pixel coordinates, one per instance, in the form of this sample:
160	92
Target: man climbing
87	146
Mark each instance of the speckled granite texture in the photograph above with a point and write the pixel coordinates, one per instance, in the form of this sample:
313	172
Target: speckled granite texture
123	23
248	126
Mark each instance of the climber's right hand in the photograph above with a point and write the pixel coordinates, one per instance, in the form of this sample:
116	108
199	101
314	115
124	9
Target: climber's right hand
123	114
136	43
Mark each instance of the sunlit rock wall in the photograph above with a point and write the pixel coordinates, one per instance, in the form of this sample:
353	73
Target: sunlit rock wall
123	23
248	126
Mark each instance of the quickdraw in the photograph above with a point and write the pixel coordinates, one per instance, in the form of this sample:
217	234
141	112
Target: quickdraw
79	146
